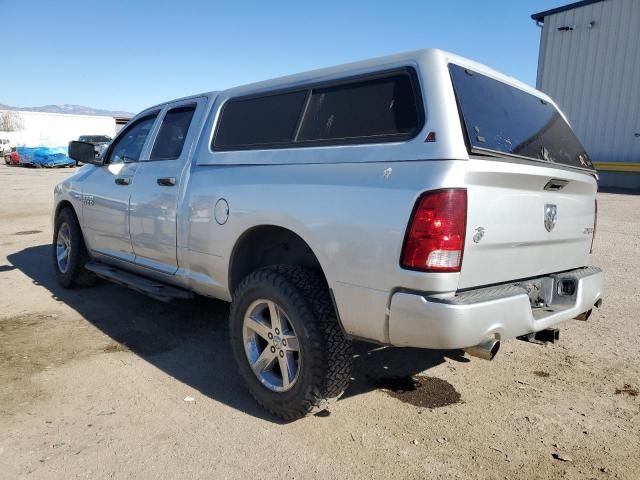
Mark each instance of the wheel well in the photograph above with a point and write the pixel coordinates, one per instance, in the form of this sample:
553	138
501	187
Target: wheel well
64	204
268	245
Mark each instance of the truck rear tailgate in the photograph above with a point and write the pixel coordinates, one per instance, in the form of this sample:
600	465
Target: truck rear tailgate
506	236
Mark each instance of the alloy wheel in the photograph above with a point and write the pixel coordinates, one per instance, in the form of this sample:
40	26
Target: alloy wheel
63	247
271	345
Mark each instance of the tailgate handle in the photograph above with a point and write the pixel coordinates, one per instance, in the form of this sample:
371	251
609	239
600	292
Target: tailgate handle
555	184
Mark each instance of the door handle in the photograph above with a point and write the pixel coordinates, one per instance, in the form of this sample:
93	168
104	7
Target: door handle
167	181
123	180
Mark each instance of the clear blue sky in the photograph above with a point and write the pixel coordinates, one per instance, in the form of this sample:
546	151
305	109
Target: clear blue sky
127	55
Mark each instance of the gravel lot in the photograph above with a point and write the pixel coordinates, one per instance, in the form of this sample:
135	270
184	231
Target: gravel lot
93	383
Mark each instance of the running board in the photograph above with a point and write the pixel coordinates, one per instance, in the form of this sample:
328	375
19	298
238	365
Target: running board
152	288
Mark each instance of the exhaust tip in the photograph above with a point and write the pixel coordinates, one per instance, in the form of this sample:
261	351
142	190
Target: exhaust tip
486	350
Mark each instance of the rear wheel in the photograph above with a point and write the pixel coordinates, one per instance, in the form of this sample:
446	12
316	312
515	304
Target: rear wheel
287	342
69	252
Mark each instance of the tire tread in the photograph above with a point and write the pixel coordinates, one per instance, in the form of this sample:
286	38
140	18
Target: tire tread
330	351
76	276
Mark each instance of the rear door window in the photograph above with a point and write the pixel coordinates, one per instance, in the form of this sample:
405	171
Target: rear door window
172	134
500	118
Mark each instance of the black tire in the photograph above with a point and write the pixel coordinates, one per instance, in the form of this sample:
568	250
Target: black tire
75	275
325	353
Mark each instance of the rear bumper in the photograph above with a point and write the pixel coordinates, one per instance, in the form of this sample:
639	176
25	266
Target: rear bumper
500	312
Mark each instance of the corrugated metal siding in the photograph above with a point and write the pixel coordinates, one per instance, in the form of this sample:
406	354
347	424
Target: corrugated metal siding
594	75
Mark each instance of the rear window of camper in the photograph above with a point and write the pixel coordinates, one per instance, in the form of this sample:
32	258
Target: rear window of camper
502	119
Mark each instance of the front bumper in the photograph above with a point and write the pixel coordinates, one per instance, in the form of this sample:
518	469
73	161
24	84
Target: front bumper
500	312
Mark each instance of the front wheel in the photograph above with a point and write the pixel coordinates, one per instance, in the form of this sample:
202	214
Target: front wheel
69	252
289	347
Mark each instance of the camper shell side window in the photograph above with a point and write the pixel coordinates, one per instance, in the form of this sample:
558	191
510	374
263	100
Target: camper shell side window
375	108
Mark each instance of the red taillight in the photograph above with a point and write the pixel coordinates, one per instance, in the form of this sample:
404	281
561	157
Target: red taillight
435	238
595	224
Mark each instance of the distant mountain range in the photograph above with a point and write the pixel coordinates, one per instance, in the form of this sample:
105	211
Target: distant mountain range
70	109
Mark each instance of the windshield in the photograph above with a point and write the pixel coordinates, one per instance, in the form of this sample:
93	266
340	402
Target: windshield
95	138
500	118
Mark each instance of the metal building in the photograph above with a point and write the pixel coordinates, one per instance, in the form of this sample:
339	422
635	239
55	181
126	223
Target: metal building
589	62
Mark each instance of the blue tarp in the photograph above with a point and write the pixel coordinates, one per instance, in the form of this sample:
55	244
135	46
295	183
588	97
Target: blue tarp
45	156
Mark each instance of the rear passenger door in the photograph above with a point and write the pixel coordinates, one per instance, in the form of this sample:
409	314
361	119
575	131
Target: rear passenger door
160	184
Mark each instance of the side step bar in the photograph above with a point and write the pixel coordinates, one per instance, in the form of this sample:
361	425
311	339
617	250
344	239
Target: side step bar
141	284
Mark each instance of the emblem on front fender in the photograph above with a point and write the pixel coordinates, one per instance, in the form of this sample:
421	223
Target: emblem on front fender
550	216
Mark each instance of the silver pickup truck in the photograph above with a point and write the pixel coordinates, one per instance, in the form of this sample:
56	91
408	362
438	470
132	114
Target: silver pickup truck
418	200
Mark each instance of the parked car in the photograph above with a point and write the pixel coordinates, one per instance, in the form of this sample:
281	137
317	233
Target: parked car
420	200
45	157
12	158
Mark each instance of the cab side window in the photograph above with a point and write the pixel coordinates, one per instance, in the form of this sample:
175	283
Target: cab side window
172	134
128	147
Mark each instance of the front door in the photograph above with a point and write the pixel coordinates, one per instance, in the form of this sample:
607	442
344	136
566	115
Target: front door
155	200
107	190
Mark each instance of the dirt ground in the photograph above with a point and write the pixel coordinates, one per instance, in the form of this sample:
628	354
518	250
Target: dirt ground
93	383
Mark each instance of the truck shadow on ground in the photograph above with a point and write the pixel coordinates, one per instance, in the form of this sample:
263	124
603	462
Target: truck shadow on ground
189	340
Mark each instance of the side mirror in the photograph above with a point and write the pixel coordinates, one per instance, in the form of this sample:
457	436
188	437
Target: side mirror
84	152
